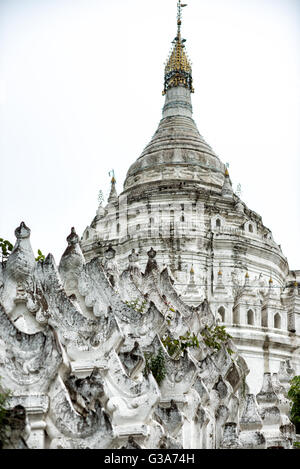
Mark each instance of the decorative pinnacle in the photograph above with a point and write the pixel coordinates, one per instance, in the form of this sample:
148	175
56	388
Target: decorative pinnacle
73	237
22	231
109	253
151	253
179	15
113	193
178	70
112	174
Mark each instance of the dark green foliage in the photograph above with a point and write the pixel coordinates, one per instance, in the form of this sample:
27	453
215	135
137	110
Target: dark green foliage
155	364
294	396
171	345
4	421
174	346
40	257
215	336
6	247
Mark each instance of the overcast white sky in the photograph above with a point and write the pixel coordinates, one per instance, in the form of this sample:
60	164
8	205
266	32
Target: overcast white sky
80	94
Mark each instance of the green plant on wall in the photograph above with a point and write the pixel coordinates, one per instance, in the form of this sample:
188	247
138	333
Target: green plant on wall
170	315
215	336
155	364
4	420
294	396
176	346
5	248
40	257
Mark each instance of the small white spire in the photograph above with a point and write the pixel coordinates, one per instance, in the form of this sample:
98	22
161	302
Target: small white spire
113	196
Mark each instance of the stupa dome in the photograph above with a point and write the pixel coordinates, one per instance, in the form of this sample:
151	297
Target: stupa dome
177	150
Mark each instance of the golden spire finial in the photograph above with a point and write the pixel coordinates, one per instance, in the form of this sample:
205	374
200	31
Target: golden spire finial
113	196
178	70
112	174
179	15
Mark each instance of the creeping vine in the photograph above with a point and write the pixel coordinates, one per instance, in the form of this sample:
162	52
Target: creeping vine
155	364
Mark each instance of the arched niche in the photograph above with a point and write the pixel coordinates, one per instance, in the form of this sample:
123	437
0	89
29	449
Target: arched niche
221	313
250	317
277	321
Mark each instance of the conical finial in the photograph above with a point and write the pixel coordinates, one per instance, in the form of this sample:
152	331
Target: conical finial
178	70
112	174
227	187
151	264
73	237
109	253
71	261
151	253
21	261
22	231
113	196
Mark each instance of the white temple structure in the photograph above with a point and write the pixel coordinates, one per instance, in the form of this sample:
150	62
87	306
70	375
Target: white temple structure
178	199
173	323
